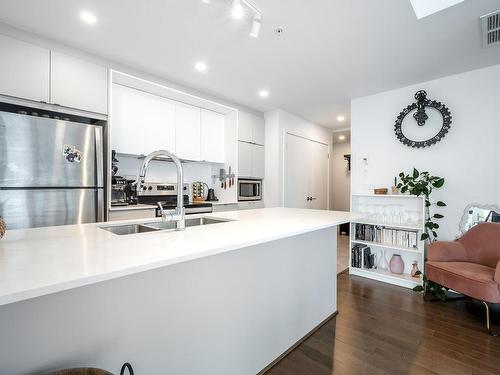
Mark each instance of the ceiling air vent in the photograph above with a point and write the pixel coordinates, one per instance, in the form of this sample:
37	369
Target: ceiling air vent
490	24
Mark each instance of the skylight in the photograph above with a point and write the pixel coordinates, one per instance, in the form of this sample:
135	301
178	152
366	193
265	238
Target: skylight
424	8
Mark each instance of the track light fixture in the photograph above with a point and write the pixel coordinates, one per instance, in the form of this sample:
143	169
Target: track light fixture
239	9
257	22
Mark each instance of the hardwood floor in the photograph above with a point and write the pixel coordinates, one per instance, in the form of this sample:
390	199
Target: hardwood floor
342	253
384	329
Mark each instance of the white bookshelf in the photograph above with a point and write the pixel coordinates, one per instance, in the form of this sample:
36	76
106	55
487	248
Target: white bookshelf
402	207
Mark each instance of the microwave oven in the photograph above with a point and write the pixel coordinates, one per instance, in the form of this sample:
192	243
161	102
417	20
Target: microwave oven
249	189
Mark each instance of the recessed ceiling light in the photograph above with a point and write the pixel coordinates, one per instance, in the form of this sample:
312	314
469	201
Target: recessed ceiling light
88	17
237	10
341	137
264	93
201	66
206	1
340	118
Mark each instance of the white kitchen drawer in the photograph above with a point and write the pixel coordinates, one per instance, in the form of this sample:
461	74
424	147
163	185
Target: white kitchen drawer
250	205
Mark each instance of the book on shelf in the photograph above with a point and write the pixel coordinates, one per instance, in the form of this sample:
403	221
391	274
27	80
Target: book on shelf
386	236
362	257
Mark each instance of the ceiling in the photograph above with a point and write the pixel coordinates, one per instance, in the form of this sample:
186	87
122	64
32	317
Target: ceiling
331	50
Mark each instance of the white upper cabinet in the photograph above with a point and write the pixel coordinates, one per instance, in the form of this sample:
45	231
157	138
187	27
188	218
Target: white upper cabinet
141	122
250	128
212	136
258	161
24	70
187	131
245	159
259	131
245	131
78	84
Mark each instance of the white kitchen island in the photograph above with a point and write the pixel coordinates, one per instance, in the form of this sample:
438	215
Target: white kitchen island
225	298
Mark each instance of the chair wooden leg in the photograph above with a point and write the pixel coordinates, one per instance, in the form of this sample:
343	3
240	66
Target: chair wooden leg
487	308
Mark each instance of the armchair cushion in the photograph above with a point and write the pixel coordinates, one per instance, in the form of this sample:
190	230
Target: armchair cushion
446	251
472	279
497	273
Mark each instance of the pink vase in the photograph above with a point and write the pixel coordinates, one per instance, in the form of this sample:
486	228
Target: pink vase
396	265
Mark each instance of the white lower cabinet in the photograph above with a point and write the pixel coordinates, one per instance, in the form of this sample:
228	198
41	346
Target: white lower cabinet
251	161
187	131
132	214
225	207
250	205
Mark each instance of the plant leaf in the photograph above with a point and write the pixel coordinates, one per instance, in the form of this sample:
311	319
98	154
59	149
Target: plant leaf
441	204
441	294
418	273
418	288
424	237
438	183
401	175
416	173
438	216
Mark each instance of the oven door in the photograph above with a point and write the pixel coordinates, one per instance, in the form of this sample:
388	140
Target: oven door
249	190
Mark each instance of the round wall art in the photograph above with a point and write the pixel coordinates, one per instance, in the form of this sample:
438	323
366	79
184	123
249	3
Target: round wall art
421	117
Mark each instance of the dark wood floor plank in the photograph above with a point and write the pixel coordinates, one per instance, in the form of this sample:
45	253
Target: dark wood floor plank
383	329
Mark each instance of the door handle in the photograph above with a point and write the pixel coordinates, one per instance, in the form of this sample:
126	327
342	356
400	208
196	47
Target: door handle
313	199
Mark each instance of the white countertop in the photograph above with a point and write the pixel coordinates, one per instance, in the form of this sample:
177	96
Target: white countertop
40	261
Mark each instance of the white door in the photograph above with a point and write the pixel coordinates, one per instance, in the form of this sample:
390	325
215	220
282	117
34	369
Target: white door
187	132
141	122
306	173
212	136
24	70
78	84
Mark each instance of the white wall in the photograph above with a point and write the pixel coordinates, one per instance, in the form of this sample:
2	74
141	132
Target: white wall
340	193
468	157
278	123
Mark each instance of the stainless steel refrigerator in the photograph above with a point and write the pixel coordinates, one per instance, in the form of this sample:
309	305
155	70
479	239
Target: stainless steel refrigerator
51	168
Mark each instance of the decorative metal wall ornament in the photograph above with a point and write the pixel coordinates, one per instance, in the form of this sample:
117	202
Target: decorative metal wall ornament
421	117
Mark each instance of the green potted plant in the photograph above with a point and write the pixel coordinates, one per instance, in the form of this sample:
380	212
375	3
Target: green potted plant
423	183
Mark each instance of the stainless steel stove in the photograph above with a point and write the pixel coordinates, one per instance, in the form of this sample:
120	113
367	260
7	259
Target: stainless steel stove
166	194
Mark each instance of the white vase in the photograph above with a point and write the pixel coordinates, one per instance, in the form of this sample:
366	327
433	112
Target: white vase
383	264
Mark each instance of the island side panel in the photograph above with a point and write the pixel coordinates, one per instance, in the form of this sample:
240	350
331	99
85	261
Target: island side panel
232	313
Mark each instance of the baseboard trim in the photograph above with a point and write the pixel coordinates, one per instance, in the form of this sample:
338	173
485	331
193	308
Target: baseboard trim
294	346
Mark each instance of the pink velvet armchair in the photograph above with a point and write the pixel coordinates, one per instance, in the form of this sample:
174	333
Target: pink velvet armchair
470	265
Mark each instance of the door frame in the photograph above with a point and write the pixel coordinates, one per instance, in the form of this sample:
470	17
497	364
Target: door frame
283	174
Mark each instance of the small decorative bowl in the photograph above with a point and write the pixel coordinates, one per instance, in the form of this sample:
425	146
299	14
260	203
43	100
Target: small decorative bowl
381	191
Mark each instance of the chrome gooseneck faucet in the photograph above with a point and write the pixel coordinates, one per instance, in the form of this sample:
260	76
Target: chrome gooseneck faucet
178	216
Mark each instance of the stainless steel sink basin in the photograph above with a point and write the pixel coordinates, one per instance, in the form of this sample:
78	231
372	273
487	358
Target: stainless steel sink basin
164	225
129	229
158	226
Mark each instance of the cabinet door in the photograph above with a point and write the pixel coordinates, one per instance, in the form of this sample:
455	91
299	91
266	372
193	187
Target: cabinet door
244	159
258	127
245	127
141	122
258	161
212	136
78	84
24	70
187	132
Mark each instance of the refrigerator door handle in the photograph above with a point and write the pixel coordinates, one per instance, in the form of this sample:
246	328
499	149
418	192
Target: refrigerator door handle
99	205
99	156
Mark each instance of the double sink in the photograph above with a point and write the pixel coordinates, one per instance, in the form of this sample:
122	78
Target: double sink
155	226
